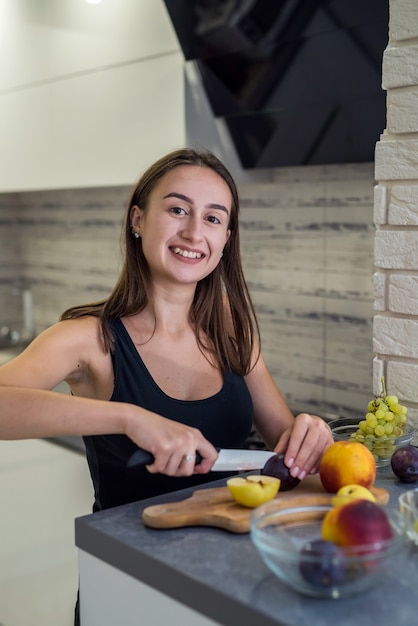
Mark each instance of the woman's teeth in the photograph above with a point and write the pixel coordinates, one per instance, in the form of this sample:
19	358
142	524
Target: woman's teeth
187	253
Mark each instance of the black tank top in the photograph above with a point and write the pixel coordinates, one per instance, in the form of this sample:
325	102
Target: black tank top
225	419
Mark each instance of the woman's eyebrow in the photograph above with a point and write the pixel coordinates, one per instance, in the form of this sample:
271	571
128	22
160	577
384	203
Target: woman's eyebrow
211	205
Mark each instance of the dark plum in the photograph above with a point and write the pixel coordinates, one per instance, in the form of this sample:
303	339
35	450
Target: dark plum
404	463
275	467
322	563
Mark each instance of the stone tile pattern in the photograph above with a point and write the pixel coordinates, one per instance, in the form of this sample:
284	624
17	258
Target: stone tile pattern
307	244
307	248
63	244
395	334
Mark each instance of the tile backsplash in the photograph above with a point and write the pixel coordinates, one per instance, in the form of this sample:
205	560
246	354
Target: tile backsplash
307	244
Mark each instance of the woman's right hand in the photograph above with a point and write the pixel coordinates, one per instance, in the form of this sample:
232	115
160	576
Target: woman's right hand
173	445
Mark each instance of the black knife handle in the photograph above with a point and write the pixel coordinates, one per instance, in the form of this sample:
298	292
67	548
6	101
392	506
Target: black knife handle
141	457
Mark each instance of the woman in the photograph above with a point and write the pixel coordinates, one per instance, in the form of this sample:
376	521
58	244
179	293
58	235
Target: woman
170	361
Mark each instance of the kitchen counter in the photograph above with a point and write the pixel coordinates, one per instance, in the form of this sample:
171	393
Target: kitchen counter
207	576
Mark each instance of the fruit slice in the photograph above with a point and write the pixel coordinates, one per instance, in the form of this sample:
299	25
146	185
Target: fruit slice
348	493
253	490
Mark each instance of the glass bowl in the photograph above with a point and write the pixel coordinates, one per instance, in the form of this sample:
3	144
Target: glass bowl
280	532
382	448
408	507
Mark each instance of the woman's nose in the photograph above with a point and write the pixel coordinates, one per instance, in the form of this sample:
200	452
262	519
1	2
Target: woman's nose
192	229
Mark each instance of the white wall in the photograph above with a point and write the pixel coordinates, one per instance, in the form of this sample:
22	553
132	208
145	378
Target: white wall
395	330
90	95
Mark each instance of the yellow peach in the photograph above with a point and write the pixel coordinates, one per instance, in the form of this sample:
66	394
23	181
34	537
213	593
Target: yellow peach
357	523
253	490
347	463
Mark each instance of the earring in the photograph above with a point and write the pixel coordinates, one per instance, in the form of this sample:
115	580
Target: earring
135	234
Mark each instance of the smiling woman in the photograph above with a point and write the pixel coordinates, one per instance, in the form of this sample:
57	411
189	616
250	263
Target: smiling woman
174	348
170	361
185	226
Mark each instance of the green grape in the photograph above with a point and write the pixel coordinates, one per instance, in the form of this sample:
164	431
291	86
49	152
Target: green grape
391	400
388	428
371	420
383	422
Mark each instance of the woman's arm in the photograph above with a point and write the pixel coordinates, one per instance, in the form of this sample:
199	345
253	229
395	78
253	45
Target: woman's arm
71	351
303	439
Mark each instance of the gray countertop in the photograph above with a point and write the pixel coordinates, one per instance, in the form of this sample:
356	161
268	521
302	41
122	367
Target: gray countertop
221	575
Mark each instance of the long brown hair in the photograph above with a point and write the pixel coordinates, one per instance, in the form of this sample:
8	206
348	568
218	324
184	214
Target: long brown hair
222	309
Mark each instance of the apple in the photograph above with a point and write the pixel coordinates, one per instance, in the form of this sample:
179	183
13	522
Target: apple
276	467
358	523
253	490
347	463
348	493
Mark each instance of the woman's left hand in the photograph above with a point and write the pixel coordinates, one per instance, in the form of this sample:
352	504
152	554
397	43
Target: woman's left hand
304	443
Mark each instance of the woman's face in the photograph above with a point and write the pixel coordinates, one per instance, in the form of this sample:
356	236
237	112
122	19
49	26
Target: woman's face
185	225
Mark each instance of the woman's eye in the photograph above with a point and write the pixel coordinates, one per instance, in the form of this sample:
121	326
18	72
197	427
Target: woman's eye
213	219
177	210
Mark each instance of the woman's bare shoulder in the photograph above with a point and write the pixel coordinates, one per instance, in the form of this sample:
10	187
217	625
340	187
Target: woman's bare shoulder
66	350
83	331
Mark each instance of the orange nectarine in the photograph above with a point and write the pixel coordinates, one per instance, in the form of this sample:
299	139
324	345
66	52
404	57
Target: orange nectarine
347	463
358	523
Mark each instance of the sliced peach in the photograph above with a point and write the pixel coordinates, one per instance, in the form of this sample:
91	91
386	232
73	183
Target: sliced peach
253	490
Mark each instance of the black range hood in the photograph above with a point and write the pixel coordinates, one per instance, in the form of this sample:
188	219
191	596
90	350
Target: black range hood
297	81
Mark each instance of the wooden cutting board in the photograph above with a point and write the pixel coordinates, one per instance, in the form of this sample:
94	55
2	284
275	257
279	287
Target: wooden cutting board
216	507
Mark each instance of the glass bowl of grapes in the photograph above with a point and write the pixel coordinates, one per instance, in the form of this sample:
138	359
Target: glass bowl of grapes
382	446
383	429
288	537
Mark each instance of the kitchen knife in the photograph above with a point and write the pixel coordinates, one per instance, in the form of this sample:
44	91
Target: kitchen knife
228	460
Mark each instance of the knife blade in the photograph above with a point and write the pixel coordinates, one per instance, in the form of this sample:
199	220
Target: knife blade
229	460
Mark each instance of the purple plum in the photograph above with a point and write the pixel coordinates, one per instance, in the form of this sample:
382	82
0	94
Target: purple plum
322	563
275	467
404	463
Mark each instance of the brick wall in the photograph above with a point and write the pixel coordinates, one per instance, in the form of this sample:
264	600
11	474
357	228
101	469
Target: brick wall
395	330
